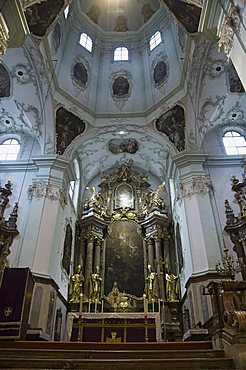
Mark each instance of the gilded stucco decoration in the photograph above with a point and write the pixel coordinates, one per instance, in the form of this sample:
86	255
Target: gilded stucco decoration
42	189
121	87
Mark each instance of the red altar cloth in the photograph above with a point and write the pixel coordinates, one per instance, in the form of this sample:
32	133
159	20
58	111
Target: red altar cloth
126	327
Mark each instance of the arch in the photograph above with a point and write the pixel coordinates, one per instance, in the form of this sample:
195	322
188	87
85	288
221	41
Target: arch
121	54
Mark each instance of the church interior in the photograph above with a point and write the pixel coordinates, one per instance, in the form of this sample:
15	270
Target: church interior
122	184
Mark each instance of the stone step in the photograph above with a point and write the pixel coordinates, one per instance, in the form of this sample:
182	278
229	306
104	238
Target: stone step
107	346
105	354
118	364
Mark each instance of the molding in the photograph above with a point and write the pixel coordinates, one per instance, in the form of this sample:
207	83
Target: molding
203	277
226	161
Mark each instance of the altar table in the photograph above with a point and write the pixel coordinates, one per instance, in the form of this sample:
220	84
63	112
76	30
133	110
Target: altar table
113	327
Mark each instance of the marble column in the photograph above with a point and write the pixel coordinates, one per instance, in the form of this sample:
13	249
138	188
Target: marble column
97	258
88	265
158	256
150	253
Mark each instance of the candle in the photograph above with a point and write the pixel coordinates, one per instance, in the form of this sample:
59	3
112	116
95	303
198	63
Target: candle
80	303
145	304
159	305
102	305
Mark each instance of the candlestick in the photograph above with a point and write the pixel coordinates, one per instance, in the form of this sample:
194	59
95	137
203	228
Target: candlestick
102	305
159	305
89	306
80	303
145	304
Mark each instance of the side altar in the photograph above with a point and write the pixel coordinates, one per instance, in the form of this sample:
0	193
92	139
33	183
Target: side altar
113	327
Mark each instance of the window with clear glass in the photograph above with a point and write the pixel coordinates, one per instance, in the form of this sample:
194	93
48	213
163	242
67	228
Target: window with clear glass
9	149
154	40
71	189
121	53
66	11
86	41
234	143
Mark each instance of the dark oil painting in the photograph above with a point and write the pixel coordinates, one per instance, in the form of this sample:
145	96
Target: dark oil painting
68	126
80	74
172	124
120	86
124	258
123	146
235	83
160	72
41	15
4	82
187	14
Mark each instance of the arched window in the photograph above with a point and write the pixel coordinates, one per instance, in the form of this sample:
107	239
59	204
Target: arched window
120	53
86	41
155	40
9	149
234	143
66	11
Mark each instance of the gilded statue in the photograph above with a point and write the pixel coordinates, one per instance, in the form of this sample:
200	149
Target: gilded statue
97	200
153	198
75	288
172	286
95	286
151	285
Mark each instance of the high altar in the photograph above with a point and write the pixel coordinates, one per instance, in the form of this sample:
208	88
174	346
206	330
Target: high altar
125	282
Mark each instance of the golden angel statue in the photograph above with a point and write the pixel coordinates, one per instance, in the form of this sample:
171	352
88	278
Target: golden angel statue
75	288
172	286
95	286
151	285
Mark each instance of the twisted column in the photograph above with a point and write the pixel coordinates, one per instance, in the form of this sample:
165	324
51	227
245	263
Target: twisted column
88	265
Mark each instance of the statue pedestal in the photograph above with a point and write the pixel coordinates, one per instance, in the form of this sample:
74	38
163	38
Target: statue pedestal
195	334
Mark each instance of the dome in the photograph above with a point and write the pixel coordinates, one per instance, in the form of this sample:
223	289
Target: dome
119	15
